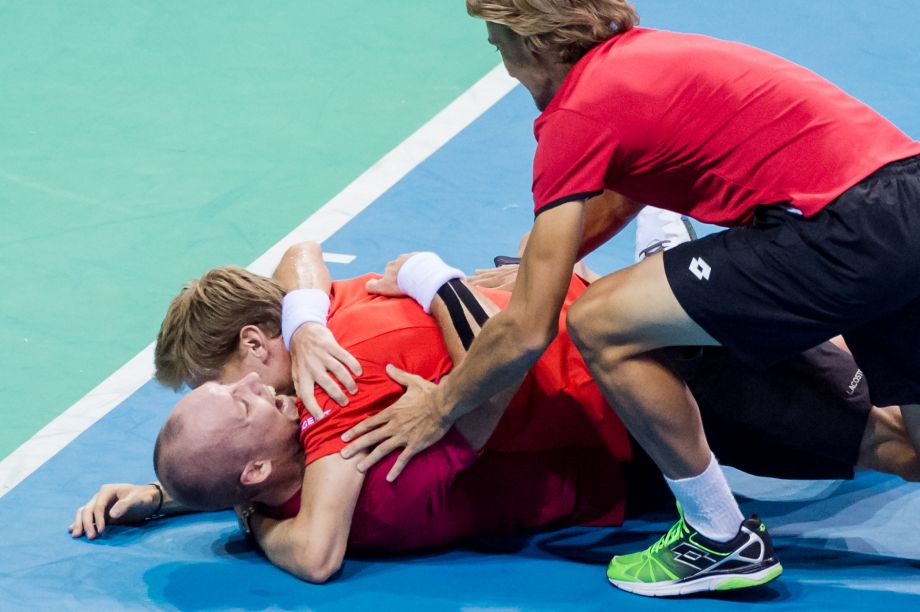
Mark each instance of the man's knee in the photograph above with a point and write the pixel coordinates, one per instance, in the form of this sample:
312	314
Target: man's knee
578	322
587	321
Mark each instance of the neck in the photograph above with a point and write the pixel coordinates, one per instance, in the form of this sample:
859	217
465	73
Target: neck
554	79
288	480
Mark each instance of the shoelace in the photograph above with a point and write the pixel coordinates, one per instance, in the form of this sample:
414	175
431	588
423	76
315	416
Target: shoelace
674	533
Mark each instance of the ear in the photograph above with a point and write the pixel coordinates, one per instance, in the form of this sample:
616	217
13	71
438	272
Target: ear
252	343
256	472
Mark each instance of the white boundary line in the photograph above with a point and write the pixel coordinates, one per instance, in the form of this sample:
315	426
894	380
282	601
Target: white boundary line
318	227
338	258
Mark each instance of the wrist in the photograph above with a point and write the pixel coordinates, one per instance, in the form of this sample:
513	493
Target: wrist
444	406
300	307
160	497
422	275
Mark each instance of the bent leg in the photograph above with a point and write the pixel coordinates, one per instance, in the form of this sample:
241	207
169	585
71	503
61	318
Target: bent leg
615	325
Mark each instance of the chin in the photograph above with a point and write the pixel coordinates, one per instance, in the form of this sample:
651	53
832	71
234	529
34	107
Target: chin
542	99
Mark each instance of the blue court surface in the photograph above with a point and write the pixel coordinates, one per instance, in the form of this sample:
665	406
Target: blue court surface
850	545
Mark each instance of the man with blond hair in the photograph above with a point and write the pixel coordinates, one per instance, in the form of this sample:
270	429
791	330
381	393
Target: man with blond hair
822	195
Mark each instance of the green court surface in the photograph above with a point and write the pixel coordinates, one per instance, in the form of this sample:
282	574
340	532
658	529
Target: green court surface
144	142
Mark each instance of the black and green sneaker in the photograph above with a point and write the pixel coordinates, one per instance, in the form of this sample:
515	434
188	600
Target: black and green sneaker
684	561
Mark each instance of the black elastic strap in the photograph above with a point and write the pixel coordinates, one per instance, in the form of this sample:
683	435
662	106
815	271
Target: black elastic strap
469	300
457	316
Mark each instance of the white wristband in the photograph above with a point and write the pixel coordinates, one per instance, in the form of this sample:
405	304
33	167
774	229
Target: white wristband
302	306
422	275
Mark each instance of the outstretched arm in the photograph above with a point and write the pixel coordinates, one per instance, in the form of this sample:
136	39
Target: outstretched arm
120	503
315	354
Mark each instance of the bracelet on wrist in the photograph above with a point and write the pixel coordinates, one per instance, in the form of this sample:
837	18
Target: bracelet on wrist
158	512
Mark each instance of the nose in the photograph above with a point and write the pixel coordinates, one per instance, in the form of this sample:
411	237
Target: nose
251	382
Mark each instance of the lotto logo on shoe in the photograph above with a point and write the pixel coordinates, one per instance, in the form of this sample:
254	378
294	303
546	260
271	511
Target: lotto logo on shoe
700	268
692	556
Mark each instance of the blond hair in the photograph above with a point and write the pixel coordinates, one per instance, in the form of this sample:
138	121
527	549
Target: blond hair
200	332
566	28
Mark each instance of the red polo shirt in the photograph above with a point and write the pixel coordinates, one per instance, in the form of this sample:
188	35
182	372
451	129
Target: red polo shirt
707	128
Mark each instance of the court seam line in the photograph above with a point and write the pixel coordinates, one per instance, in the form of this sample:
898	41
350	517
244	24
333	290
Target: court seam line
318	227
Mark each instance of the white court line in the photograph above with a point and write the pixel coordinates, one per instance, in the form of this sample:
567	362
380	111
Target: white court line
322	224
338	258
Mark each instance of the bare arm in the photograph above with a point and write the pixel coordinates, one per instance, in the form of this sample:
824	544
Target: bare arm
605	216
513	340
312	545
314	351
509	344
302	267
120	503
477	426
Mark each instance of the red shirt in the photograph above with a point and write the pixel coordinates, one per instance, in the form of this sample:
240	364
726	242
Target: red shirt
540	466
707	128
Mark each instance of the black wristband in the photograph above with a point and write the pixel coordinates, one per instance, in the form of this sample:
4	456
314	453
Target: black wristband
156	513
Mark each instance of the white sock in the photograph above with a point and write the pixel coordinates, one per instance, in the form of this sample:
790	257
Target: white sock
708	503
659	230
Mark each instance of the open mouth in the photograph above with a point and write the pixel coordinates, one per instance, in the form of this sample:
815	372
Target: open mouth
285	405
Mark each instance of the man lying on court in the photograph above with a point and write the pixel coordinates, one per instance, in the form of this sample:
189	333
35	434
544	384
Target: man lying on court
509	466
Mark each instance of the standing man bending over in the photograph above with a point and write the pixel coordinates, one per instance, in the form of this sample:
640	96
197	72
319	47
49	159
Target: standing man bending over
822	193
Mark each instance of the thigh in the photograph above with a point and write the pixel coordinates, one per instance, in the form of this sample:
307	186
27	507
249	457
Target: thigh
803	418
786	284
636	307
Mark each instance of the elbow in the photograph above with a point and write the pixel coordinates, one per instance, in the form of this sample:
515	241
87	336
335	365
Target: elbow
305	248
321	574
318	571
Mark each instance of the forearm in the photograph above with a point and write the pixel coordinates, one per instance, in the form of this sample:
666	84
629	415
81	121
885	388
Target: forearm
503	353
302	267
512	341
285	547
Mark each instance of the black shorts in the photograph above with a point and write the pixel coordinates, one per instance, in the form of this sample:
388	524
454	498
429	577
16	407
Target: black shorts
802	419
787	283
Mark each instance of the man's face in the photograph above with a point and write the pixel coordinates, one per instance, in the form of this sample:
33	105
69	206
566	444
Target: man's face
247	409
531	70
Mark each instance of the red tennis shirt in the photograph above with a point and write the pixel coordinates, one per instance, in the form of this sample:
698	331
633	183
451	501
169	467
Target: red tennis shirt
555	456
707	128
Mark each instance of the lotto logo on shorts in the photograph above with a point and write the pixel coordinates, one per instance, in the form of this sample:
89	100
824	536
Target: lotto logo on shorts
700	268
